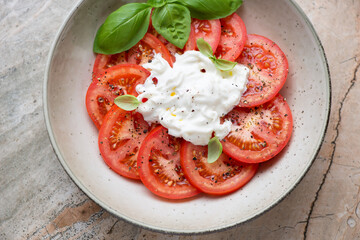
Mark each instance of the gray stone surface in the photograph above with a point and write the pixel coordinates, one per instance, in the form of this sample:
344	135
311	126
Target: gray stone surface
39	201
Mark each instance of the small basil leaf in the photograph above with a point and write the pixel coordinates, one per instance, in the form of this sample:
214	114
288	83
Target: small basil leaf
173	22
123	28
211	9
214	150
156	3
224	65
213	59
204	47
127	102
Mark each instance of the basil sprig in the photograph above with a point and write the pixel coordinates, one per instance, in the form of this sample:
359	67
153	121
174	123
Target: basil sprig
214	149
171	18
127	102
206	49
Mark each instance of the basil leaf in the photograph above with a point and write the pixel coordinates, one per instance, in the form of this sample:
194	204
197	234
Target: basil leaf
123	28
214	150
156	3
204	47
211	9
224	65
127	102
173	22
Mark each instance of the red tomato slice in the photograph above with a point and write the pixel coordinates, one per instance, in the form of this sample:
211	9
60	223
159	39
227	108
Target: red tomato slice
143	51
233	38
120	138
221	177
98	102
268	70
259	133
159	166
209	30
115	81
103	62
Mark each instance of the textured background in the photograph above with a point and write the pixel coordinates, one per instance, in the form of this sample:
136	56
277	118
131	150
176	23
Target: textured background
39	201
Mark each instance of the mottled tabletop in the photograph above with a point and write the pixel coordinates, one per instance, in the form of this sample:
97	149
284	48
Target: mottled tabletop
38	200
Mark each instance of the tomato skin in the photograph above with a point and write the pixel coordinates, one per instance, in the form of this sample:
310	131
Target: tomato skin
233	38
258	134
109	84
159	166
103	62
120	137
268	70
219	178
209	30
191	43
98	102
142	52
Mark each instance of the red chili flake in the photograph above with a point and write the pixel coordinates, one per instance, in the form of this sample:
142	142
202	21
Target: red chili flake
144	100
155	80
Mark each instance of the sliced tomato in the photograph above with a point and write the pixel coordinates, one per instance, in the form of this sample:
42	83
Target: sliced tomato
209	30
103	62
143	51
258	133
191	43
221	177
115	81
233	38
268	70
99	100
159	166
120	138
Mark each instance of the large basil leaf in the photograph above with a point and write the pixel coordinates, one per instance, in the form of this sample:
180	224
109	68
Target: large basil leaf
211	9
156	3
123	28
173	22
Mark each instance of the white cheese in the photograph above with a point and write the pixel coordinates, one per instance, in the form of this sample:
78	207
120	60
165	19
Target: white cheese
190	98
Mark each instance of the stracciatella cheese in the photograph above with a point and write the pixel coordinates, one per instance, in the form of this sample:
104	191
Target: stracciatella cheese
190	98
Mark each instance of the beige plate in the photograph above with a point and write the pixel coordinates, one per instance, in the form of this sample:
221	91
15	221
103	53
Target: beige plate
74	137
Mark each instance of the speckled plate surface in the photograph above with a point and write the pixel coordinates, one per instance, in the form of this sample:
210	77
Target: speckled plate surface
74	137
